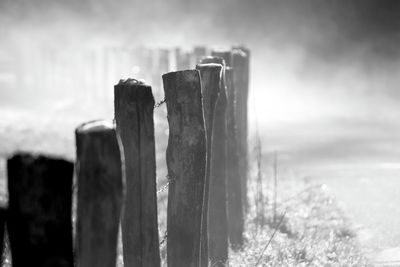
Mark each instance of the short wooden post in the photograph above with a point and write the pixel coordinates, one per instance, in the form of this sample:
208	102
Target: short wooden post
100	194
235	205
134	104
217	222
240	63
210	75
39	219
186	161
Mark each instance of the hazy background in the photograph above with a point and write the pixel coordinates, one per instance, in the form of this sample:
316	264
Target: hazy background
324	93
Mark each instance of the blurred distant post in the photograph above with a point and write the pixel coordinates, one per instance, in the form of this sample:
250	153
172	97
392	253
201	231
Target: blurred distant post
186	162
210	75
233	180
240	63
198	53
217	222
235	203
182	59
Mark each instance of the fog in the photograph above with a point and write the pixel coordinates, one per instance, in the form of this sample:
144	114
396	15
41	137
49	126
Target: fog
325	75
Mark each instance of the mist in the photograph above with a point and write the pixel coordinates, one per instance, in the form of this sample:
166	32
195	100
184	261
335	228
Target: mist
324	85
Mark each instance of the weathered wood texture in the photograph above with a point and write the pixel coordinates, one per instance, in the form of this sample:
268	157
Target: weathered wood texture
210	75
217	222
134	104
100	194
235	205
39	219
186	161
240	63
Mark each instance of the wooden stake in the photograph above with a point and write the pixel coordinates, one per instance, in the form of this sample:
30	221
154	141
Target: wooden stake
39	222
217	222
235	208
186	161
240	63
100	194
134	105
210	75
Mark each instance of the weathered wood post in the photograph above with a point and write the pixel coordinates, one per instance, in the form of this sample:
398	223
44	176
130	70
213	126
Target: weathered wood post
39	219
100	194
186	161
210	75
217	222
240	63
235	205
134	104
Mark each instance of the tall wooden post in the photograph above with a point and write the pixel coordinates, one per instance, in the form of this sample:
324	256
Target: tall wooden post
100	194
217	222
134	105
235	205
240	63
39	219
210	75
186	161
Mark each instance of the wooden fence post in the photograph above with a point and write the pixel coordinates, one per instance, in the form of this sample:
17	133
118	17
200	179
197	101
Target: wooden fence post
240	63
39	219
235	205
210	75
100	194
235	202
217	222
186	161
134	104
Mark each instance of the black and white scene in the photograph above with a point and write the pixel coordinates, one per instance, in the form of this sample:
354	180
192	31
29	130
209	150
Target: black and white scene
183	133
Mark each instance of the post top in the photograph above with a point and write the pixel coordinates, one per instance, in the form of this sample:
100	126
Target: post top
179	73
238	52
209	66
212	59
131	81
95	126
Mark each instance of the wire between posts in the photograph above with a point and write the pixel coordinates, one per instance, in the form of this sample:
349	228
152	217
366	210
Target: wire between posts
159	104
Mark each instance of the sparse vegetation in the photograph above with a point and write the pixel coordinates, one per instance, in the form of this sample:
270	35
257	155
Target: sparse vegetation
313	232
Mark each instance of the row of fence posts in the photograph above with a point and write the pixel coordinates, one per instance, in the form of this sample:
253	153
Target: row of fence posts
116	177
87	73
